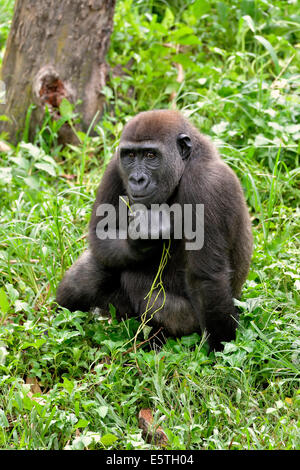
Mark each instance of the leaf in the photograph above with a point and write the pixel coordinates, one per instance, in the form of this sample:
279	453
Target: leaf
21	306
250	22
32	150
184	60
293	128
66	109
108	440
82	423
47	158
3	420
4	304
46	167
113	345
190	340
183	31
189	40
68	385
261	140
102	411
220	128
3	353
5	176
21	162
271	51
275	126
65	335
200	7
113	313
37	344
107	92
13	294
32	182
168	20
229	348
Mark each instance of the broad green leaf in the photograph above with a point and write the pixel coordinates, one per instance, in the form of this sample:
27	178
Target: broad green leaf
291	129
66	109
21	306
4	304
183	31
189	40
108	440
32	150
3	420
3	353
184	60
47	158
13	294
82	423
102	410
32	182
46	167
190	340
168	20
200	7
5	176
37	344
220	128
261	140
21	162
68	385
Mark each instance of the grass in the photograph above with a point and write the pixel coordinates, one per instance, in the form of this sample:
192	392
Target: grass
233	67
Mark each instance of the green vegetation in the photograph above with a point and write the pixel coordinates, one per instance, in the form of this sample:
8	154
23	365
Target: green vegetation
233	67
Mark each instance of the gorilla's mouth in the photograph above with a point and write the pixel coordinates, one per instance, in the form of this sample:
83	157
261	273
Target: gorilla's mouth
141	197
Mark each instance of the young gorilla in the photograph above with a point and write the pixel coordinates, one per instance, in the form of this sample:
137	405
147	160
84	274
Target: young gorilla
162	158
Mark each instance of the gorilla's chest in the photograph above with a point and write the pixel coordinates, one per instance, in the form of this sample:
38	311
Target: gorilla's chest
139	281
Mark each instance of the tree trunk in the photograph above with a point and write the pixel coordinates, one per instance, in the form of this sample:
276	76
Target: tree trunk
55	50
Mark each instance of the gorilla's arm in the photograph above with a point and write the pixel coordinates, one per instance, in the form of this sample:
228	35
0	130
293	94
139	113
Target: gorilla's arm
210	270
113	253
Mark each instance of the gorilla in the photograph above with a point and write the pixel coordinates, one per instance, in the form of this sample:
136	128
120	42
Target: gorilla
163	159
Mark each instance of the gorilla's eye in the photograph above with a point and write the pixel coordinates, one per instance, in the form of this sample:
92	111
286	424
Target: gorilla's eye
131	155
150	155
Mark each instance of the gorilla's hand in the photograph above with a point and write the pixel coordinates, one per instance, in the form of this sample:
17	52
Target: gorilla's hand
146	227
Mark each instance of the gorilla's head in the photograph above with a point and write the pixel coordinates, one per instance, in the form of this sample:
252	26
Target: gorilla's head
153	151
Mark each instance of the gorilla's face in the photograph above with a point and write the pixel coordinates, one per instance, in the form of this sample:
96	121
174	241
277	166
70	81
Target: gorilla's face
142	168
152	157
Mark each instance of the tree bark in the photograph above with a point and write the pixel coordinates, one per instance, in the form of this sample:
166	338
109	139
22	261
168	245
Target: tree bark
55	50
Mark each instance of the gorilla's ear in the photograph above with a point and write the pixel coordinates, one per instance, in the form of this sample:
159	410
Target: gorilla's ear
184	145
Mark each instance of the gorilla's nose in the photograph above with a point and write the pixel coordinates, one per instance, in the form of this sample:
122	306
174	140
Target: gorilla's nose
138	183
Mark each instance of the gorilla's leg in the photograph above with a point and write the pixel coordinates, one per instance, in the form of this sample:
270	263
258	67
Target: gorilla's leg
212	299
88	284
172	311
